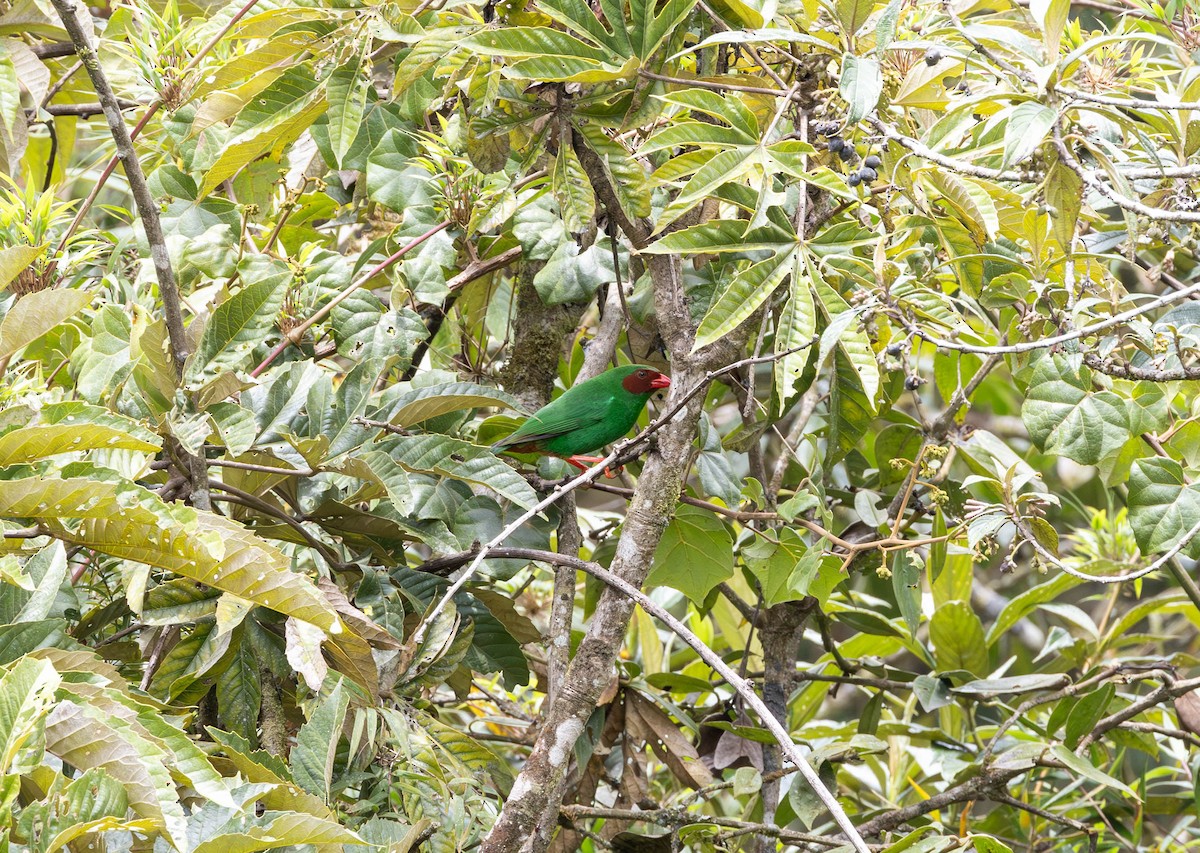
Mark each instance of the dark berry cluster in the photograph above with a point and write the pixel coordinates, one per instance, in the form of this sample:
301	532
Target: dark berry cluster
835	144
868	173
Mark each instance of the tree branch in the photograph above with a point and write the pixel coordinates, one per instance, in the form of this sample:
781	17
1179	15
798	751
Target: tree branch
68	11
1154	303
294	335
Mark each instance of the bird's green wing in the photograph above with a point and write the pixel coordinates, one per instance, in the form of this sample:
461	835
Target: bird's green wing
554	420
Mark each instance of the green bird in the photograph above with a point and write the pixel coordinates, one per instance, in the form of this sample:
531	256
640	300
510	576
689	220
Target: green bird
587	416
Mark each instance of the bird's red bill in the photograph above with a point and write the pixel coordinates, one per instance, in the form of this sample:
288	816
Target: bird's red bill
660	381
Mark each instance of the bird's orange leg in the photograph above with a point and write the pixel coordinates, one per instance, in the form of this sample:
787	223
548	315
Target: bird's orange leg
579	462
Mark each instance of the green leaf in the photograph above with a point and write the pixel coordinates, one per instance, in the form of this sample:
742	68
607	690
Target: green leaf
988	844
1088	711
722	235
92	731
776	566
14	259
34	314
1024	603
1163	506
29	444
1051	16
748	290
283	832
796	326
240	323
572	189
694	555
851	340
725	167
650	29
393	179
317	744
239	691
526	42
480	519
627	176
571	275
757	36
193	657
989	688
128	522
860	85
347	92
805	803
14	135
957	637
414	405
579	18
971	200
271	121
26	697
1064	415
728	108
48	570
365	329
932	692
1088	770
885	28
459	748
851	413
1025	130
1064	192
906	583
852	14
550	55
461	460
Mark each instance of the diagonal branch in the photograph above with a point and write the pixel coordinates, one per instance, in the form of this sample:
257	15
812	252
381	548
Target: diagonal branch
70	12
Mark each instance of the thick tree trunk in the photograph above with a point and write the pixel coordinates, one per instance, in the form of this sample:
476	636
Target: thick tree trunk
780	632
539	331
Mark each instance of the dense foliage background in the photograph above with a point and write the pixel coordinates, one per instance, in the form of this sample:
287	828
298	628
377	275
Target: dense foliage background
921	504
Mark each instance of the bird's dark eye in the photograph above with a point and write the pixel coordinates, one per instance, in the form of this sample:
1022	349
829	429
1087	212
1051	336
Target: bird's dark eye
642	374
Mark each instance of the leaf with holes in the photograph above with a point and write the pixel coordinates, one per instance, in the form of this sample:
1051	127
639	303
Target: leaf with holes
269	122
241	322
124	520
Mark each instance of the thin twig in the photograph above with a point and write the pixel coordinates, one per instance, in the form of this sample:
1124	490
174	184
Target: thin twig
294	335
236	495
926	153
1046	343
675	818
1122	201
154	107
146	207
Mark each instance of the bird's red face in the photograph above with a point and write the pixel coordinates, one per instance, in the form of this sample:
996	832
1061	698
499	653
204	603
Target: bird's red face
645	381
